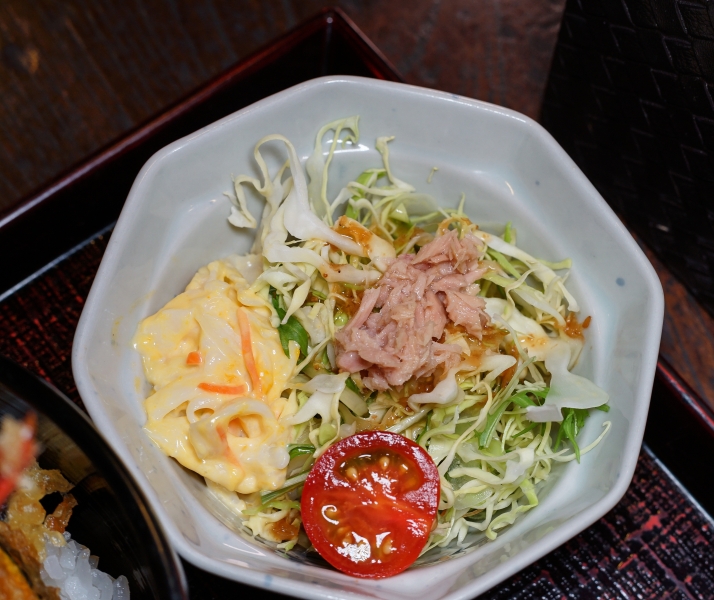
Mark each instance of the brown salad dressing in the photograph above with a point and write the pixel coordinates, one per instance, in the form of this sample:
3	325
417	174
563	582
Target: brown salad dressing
352	229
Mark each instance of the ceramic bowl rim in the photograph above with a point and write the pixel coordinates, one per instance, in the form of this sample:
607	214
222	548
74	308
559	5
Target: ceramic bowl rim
548	542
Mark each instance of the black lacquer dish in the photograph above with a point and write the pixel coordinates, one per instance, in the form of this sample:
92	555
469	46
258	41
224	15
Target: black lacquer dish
112	517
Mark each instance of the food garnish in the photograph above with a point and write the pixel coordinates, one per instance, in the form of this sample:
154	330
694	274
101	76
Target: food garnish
17	450
381	313
369	503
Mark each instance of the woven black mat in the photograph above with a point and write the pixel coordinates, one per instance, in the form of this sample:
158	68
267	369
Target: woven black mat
631	99
656	543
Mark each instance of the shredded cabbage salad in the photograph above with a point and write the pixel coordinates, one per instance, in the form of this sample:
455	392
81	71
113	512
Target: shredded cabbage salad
494	426
490	397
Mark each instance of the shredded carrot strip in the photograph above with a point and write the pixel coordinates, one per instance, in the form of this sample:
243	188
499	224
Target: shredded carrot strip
194	358
227	452
223	389
247	348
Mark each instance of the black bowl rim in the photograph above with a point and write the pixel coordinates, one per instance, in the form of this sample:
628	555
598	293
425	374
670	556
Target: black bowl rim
46	399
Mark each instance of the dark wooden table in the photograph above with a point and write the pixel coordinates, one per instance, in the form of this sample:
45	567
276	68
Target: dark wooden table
75	74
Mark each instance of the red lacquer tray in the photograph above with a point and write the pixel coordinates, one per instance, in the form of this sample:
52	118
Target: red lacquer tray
657	542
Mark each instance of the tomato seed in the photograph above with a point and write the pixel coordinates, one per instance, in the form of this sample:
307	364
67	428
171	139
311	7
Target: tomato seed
351	474
342	531
387	546
384	463
330	512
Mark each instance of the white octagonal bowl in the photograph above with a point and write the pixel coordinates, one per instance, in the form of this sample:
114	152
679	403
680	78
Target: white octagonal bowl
511	169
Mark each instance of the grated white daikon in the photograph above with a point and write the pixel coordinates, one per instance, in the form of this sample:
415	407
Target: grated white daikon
74	571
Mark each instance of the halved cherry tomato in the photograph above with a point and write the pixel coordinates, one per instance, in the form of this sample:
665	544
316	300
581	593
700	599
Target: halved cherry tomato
369	503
